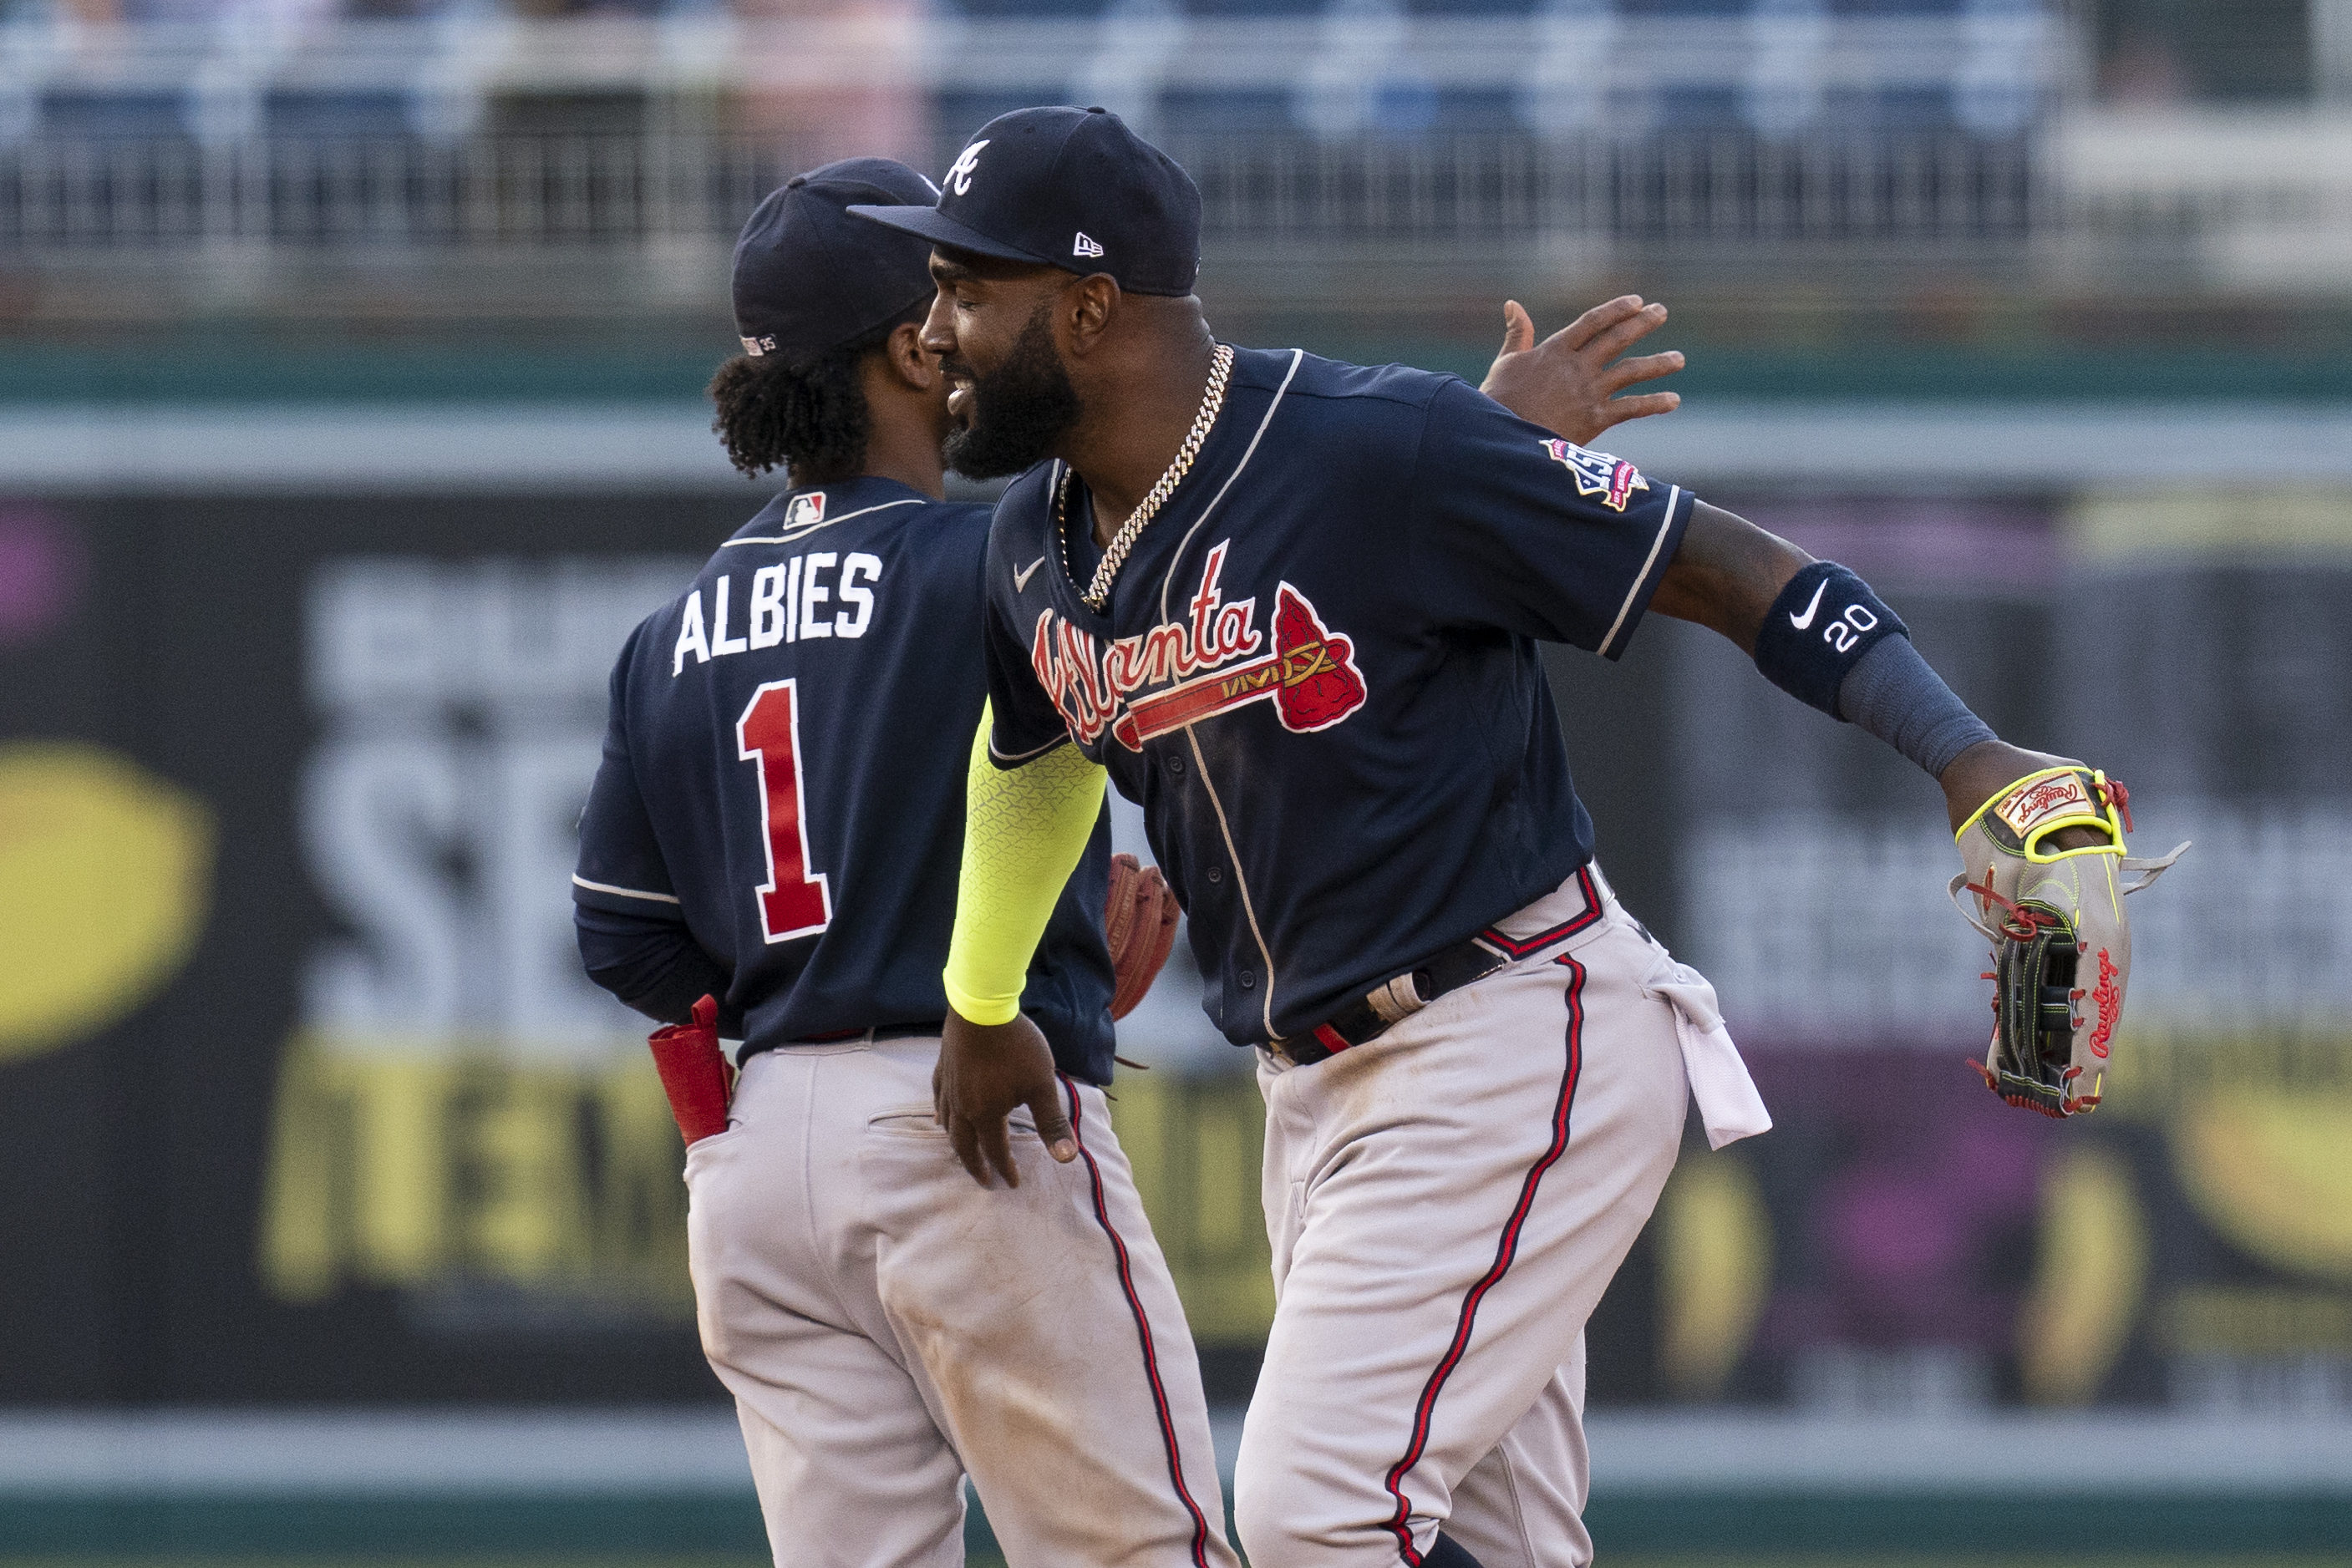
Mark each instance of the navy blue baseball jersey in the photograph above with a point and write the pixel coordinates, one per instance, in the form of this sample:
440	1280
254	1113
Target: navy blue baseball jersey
1318	672
779	815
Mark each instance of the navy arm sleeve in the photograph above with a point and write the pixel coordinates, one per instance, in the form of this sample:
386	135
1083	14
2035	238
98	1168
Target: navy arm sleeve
1516	529
653	966
632	930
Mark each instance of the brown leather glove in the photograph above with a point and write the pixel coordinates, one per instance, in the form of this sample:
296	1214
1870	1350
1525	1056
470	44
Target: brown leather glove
1140	924
2061	948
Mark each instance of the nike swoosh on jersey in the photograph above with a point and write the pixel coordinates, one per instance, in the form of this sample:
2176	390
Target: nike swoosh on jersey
1020	577
1805	621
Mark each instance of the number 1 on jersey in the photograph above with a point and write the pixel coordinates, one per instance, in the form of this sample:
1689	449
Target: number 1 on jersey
795	901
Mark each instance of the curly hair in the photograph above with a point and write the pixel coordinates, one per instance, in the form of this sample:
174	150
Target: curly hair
807	412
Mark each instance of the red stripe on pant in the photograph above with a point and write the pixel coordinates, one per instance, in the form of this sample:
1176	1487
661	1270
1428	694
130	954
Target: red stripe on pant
1142	1332
1505	1249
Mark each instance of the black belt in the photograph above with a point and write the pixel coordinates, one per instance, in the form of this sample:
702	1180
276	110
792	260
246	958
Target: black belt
1385	1006
1371	1015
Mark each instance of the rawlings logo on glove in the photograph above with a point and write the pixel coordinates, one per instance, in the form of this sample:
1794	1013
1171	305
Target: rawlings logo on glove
2061	941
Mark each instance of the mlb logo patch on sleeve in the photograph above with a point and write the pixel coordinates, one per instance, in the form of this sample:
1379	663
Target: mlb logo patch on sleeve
1597	474
802	511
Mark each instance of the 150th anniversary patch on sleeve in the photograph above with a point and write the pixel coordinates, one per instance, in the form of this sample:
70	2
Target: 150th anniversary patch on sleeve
1611	480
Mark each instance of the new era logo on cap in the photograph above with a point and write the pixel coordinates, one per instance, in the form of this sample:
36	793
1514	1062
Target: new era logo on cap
1072	188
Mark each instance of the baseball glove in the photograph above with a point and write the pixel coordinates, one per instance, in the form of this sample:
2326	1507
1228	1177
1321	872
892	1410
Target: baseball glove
2061	941
1140	924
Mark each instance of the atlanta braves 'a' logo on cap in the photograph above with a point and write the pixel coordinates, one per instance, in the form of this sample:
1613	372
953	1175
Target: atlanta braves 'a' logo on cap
1598	474
1071	187
959	172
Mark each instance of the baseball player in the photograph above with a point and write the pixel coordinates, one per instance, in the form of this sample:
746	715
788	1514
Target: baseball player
776	823
1292	608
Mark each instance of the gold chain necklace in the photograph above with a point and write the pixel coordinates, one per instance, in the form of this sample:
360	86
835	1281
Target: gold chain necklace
1114	555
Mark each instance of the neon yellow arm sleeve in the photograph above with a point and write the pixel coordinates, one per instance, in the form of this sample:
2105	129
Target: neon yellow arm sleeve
1024	831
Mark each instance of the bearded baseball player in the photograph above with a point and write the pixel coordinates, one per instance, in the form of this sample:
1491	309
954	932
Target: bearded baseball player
776	825
1292	608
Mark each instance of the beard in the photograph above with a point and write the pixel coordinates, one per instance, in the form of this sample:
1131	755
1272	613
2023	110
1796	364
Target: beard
1018	411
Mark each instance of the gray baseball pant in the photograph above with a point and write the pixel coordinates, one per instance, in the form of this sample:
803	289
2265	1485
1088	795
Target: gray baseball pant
1446	1204
888	1327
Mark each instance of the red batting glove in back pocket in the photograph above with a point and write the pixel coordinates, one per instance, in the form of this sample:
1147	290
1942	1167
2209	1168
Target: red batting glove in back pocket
695	1073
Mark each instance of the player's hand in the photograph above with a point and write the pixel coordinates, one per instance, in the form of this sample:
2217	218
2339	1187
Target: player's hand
985	1072
1990	766
1566	384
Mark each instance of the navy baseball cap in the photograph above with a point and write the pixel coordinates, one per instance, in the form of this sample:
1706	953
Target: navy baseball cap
1072	188
809	277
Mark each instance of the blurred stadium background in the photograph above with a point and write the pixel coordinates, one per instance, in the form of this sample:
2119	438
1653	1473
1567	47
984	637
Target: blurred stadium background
350	357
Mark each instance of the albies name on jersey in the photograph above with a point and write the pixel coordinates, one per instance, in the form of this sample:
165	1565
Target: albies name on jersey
786	603
1310	675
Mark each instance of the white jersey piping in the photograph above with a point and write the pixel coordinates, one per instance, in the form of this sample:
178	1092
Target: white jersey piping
1008	760
1673	499
1249	907
1201	763
1297	357
794	534
579	881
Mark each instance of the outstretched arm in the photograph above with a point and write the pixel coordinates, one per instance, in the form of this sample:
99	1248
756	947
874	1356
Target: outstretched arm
1727	574
1730	576
1024	831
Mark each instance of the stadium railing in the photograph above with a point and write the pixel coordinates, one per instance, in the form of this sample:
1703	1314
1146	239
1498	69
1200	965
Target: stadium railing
489	146
1371	121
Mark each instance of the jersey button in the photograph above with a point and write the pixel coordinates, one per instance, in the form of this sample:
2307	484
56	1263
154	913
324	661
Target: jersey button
1176	766
1216	874
1248	979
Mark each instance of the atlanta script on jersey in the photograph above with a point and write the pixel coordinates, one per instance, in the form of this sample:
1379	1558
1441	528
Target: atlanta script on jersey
1209	663
1317	672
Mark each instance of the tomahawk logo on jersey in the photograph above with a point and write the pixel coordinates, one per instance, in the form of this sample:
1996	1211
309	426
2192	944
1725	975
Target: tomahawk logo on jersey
754	789
1334	622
